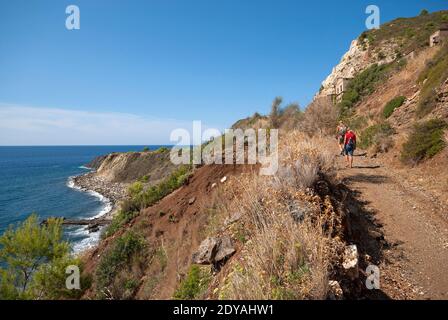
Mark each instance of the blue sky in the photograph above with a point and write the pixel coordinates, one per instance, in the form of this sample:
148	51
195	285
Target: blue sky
159	64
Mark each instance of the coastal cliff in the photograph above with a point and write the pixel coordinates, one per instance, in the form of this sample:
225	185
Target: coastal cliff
113	173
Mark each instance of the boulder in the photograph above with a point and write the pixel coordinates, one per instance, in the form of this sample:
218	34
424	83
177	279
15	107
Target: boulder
225	249
213	250
206	252
191	200
223	179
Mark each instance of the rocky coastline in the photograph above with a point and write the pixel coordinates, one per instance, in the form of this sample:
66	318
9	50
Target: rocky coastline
113	192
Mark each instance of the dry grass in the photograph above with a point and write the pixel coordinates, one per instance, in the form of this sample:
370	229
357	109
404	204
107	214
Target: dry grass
302	159
320	117
289	252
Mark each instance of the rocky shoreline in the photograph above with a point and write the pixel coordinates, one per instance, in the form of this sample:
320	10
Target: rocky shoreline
112	192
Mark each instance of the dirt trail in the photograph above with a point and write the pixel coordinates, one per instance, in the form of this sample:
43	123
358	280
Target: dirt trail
414	250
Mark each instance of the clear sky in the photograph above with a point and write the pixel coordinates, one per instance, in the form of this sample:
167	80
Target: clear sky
137	69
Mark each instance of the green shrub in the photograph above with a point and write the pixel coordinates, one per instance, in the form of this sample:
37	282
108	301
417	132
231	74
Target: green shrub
145	149
144	178
392	105
33	260
117	257
361	86
430	79
411	33
119	220
135	189
424	12
425	141
162	150
373	134
168	185
194	284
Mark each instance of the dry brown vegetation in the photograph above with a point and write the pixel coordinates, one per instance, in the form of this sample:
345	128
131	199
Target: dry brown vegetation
320	117
286	229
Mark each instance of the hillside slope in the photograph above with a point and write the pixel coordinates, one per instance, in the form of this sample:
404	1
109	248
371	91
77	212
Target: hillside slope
291	236
406	198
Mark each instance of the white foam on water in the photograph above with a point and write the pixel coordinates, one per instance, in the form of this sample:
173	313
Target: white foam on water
93	238
90	240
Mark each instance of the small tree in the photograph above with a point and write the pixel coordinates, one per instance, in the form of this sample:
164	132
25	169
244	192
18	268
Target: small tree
424	12
27	254
145	149
275	112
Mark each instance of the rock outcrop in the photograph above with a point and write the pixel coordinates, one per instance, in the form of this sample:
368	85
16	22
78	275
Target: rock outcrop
214	250
355	60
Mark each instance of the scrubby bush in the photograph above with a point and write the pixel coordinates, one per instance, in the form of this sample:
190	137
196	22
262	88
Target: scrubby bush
376	135
319	118
275	112
431	78
393	104
135	189
304	159
119	256
168	185
33	259
122	217
411	33
145	178
194	284
162	150
425	141
360	86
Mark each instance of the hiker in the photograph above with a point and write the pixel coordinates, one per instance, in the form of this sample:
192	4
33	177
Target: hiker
341	129
349	146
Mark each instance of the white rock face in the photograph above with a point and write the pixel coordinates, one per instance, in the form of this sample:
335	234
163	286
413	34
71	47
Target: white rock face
355	60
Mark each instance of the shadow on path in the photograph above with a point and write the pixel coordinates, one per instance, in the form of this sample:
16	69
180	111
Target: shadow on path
361	177
367	167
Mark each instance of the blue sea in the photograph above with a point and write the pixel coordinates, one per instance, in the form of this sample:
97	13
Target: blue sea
36	180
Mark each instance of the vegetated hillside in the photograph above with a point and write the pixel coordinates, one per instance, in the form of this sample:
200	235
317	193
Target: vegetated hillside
227	233
395	40
396	96
215	236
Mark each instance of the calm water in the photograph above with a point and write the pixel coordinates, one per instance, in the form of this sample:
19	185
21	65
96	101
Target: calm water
35	179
